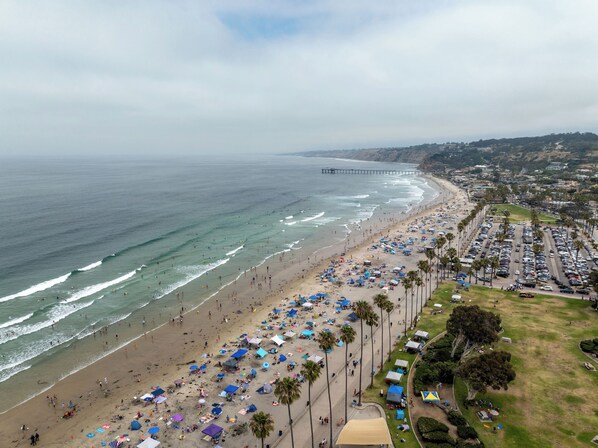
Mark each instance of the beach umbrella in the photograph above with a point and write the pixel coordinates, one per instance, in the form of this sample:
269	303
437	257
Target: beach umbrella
153	430
177	418
216	411
222	351
253	372
203	367
193	367
202	401
179	381
493	412
266	365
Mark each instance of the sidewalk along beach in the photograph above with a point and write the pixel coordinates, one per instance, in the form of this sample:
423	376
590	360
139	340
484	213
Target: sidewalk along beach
102	393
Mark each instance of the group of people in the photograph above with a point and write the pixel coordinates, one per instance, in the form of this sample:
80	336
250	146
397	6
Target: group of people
34	437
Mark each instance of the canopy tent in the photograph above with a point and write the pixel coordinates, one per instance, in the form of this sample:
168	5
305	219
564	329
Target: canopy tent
261	352
135	425
230	364
212	430
308	305
255	341
393	377
315	358
345	303
307	333
399	414
413	345
352	317
456	298
231	389
394	394
292	313
158	391
282	358
239	353
437	306
365	432
277	340
422	334
149	443
430	396
402	363
289	335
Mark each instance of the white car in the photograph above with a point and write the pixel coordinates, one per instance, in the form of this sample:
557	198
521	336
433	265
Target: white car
546	288
517	272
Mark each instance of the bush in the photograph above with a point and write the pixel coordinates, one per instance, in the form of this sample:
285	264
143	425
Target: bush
465	444
439	445
455	418
467	432
438	437
428	424
590	346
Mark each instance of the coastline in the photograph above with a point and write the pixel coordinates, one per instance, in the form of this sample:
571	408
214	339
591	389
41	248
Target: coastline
164	352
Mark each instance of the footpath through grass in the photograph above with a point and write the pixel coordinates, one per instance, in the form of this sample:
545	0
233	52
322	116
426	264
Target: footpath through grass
552	401
522	214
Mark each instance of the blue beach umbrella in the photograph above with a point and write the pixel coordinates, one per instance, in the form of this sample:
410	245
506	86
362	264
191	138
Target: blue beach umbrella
193	367
153	430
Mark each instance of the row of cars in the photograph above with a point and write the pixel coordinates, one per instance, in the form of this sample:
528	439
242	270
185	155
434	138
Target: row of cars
503	250
575	267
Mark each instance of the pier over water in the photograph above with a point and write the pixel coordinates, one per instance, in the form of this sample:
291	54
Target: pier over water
362	171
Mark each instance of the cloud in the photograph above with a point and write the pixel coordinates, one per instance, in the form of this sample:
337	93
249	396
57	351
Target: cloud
187	77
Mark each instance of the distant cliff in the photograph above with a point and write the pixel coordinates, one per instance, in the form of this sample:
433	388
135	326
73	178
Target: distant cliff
573	149
410	154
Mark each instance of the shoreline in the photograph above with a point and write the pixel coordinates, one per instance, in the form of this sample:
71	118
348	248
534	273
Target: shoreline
80	385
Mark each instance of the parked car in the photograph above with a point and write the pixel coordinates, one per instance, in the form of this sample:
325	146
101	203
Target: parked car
526	295
546	288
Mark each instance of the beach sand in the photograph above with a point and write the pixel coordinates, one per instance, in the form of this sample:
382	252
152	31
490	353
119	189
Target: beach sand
160	357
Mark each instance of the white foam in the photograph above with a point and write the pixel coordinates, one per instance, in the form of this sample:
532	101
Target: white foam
233	252
360	196
36	288
289	217
89	290
292	223
192	273
311	218
89	267
16	320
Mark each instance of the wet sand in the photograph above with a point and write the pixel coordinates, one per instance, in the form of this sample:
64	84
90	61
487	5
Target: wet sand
159	357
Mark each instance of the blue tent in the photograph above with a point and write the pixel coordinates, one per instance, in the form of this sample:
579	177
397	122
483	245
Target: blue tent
292	313
322	294
276	310
307	333
239	353
261	352
135	425
394	394
251	408
231	389
399	414
353	317
282	358
346	302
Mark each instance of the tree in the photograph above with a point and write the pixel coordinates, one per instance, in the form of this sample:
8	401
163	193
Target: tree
261	425
347	336
476	265
472	326
412	276
371	321
362	308
444	262
288	390
407	286
494	265
326	340
311	372
388	307
492	369
430	255
578	245
449	237
379	301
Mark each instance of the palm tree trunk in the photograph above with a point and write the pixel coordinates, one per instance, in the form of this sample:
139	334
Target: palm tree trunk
360	366
311	420
389	339
329	399
262	442
291	426
382	349
373	369
346	378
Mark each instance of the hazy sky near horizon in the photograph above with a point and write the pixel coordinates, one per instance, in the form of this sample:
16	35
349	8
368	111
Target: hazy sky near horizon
192	77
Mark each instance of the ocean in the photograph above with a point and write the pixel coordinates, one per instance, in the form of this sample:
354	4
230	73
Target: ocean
91	243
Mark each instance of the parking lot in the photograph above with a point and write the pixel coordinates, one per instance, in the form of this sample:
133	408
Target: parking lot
528	258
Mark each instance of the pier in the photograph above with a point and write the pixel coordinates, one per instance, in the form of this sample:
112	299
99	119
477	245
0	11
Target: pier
362	171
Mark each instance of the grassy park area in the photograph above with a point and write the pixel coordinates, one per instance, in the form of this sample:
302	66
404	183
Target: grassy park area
551	402
522	214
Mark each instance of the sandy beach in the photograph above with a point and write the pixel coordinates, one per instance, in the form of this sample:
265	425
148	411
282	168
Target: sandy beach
162	358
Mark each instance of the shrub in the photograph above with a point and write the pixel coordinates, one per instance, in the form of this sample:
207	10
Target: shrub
467	432
590	346
455	418
428	424
438	437
439	445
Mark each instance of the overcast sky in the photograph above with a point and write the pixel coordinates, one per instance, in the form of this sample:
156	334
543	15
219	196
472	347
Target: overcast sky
193	77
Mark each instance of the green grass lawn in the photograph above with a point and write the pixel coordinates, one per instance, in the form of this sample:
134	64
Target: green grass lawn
552	401
521	214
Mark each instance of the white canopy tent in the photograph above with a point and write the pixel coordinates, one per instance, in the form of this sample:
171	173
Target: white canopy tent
289	335
277	340
402	363
315	358
149	443
393	377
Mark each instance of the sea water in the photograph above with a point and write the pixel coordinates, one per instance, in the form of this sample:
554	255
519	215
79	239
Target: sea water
94	243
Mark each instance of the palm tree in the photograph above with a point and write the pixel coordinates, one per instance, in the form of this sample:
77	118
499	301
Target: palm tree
288	390
348	334
407	285
420	284
494	265
444	262
362	308
578	245
389	307
451	252
449	237
412	275
371	321
326	340
311	372
379	301
430	255
261	425
426	269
